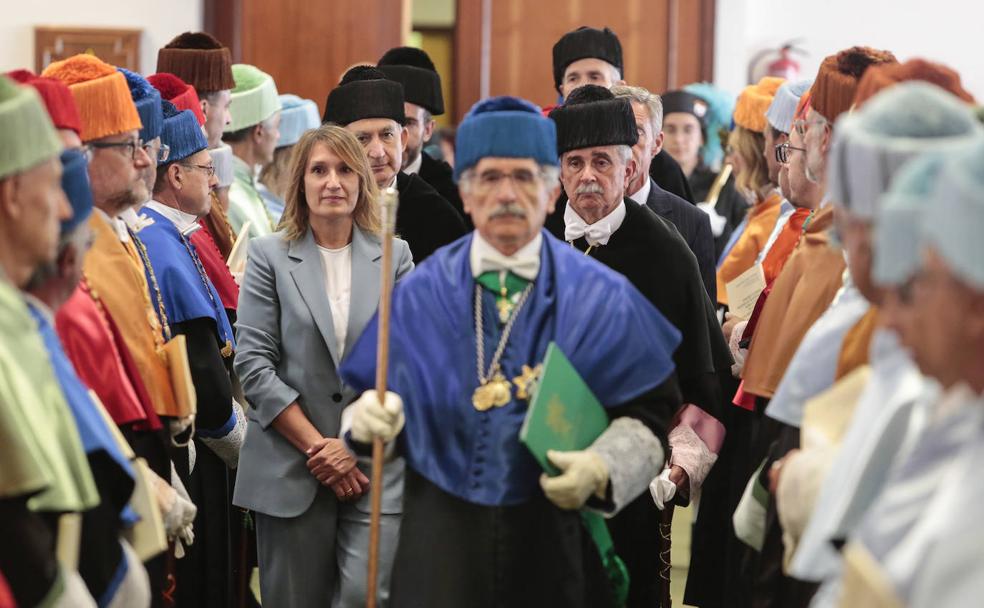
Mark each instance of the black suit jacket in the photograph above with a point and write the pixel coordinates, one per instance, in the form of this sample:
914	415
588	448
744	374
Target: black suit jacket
438	174
694	227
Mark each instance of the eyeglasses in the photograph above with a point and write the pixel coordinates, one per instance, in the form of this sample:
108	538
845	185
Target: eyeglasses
208	169
802	126
782	152
489	181
162	155
132	145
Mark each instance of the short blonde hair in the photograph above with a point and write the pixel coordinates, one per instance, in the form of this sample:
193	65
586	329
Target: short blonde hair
748	145
296	220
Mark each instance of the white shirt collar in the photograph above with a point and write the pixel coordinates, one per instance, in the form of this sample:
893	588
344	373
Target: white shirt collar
186	223
597	233
524	263
414	167
118	226
642	194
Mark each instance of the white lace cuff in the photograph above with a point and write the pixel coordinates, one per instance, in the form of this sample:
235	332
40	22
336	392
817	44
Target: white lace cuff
633	454
689	452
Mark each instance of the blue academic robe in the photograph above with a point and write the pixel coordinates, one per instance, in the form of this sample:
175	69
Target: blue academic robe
187	291
618	342
472	500
194	309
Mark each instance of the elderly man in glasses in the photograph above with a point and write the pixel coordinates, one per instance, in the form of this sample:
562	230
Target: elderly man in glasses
114	268
189	305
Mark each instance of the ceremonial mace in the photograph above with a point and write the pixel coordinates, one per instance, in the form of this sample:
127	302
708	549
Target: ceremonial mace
388	203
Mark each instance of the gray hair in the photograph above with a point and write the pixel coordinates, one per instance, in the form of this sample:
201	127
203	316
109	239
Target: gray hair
625	152
652	102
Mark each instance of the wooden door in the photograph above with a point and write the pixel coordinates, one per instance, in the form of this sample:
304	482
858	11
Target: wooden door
307	45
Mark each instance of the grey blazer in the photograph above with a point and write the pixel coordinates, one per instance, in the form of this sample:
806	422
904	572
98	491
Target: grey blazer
287	352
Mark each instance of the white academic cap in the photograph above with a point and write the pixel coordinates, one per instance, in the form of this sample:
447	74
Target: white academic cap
783	108
954	220
222	161
897	233
297	116
895	125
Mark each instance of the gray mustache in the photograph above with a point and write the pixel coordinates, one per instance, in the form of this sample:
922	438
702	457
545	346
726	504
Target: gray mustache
508	209
589	189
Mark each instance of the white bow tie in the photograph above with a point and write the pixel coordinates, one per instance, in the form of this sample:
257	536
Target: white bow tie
525	266
596	234
524	263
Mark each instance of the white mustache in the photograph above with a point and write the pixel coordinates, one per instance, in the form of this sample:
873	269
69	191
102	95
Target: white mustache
589	189
508	209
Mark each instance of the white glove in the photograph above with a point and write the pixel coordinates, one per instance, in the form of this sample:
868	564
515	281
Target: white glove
583	473
371	419
176	426
717	221
177	510
662	489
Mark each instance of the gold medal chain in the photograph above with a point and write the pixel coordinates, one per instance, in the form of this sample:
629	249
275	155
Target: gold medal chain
483	378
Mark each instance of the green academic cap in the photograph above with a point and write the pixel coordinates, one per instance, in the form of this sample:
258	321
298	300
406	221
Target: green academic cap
27	136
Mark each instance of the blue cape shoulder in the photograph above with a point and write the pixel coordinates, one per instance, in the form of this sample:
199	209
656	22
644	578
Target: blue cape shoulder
181	284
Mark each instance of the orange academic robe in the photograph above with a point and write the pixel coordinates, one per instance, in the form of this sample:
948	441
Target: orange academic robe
761	221
801	293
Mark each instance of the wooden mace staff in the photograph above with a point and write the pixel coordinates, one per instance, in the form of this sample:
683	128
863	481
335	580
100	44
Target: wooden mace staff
388	204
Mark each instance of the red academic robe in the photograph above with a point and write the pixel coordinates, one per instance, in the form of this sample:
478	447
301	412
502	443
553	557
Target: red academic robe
215	267
94	345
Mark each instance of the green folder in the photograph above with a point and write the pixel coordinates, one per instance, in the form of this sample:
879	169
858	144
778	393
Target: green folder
564	415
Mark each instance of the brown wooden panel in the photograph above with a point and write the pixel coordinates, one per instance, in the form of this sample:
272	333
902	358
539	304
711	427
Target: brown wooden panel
467	58
307	46
224	20
523	34
114	46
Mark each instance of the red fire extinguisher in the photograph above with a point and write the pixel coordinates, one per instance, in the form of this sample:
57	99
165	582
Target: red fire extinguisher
784	67
776	62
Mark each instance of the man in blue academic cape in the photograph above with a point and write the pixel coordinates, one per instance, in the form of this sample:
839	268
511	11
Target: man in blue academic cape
482	525
189	305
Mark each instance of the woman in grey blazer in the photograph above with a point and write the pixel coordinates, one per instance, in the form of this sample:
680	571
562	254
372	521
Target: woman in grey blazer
307	294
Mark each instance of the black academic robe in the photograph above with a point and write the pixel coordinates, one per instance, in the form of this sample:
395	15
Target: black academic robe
424	219
691	223
650	252
731	205
694	226
666	172
204	574
439	175
553	564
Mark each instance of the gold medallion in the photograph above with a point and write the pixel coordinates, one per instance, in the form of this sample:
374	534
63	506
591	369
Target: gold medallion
482	397
501	394
526	381
494	393
505	309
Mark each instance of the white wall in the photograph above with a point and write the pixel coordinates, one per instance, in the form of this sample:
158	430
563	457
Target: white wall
160	21
948	31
